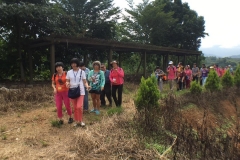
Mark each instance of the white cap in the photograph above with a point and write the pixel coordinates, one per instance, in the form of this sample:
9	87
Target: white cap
171	62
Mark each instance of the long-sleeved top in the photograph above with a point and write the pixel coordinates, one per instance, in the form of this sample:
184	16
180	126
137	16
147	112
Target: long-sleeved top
116	76
99	81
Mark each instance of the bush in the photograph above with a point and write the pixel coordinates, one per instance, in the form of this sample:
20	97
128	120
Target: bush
148	94
237	77
227	80
213	81
147	104
195	88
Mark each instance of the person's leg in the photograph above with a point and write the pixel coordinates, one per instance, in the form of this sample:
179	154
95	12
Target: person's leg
102	97
66	101
93	95
161	85
58	100
85	105
79	109
114	94
74	102
98	103
170	84
108	93
120	90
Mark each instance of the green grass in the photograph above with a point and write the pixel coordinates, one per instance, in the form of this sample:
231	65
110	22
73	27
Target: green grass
44	144
4	137
115	110
56	124
160	148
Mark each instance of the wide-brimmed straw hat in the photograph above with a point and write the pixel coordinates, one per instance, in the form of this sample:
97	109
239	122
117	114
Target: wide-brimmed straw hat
97	63
114	62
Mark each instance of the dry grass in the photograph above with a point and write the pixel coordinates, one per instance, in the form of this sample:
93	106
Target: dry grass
27	132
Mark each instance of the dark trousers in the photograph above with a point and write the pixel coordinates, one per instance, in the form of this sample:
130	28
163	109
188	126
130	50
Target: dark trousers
195	78
180	84
119	89
106	92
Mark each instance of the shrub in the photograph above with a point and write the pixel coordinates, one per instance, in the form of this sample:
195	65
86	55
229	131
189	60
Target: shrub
227	80
148	94
147	104
195	88
56	124
213	81
237	77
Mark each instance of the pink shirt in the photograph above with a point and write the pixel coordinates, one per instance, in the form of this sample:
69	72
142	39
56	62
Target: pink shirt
116	76
219	72
188	73
171	72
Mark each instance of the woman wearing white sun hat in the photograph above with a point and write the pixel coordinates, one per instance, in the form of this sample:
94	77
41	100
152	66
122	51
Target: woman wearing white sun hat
171	70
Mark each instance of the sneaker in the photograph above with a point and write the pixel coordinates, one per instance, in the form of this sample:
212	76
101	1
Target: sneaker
70	120
93	110
97	112
82	124
60	122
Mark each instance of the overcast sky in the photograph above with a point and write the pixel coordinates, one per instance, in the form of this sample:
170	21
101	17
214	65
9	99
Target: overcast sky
222	23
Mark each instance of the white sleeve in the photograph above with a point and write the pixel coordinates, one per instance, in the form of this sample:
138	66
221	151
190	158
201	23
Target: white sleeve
83	75
68	75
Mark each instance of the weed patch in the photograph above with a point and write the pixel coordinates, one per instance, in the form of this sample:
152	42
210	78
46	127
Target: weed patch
115	110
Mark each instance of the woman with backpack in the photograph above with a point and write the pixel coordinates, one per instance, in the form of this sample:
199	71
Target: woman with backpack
76	80
116	77
61	92
181	78
159	75
97	81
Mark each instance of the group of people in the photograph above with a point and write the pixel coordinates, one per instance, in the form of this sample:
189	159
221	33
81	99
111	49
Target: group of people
183	75
99	82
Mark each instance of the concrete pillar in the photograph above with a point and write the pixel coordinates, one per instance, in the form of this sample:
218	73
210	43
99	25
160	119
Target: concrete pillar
144	64
30	66
52	58
110	58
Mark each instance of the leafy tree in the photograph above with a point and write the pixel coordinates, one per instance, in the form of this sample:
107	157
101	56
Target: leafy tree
21	22
237	77
227	80
213	81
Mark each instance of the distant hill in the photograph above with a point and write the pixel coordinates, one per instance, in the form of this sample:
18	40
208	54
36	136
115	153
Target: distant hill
235	56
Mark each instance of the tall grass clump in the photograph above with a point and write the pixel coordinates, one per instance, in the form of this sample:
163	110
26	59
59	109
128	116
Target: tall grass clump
237	77
213	82
227	80
195	88
147	103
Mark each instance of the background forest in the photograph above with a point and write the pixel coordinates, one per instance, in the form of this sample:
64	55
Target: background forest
161	22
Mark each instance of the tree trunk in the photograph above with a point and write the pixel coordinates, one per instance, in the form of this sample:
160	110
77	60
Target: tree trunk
19	50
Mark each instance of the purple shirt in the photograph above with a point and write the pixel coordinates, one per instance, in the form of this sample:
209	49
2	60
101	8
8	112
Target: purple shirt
204	72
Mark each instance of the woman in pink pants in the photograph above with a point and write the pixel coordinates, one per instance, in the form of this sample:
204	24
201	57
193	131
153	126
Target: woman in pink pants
61	92
77	77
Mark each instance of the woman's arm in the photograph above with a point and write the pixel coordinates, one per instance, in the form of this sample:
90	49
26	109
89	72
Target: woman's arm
102	80
90	76
120	72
